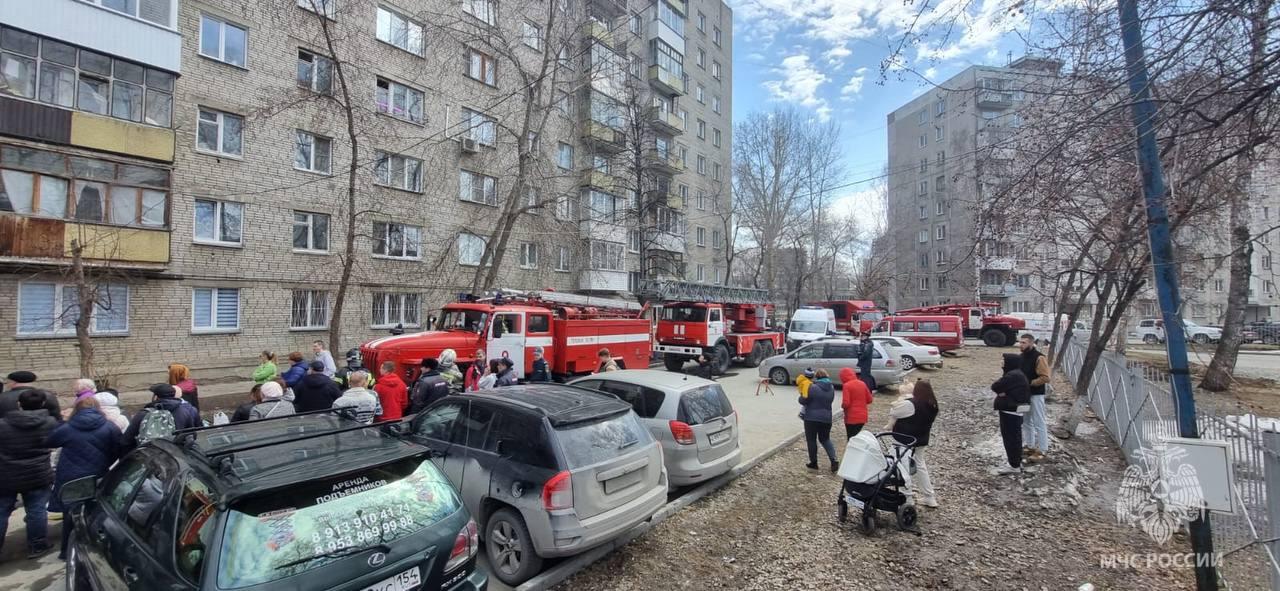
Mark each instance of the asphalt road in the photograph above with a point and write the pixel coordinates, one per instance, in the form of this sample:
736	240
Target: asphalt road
1249	364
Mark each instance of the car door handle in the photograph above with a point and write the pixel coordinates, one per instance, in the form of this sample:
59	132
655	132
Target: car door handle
101	534
130	575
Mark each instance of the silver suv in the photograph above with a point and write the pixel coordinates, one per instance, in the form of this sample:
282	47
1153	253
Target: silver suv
547	470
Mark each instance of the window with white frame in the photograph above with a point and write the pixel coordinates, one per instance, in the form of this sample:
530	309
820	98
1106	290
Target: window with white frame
310	310
310	231
634	23
701	273
923	261
567	208
940	257
482	66
938	133
392	309
1218	285
399	30
940	207
219	133
716	240
531	199
924	165
923	212
702	200
565	104
940	232
600	163
604	207
715	103
701	94
528	255
715	35
215	309
702	129
470	249
477	188
939	107
924	188
52	309
606	256
400	172
715	137
562	258
328	8
485	10
671	17
923	236
479	127
634	237
702	165
218	222
315	72
311	152
153	11
668	221
715	70
531	35
701	236
564	156
398	100
924	284
223	41
702	58
397	241
717	276
715	171
1266	262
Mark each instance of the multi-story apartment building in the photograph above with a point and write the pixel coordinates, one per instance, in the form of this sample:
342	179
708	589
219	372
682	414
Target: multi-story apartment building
209	180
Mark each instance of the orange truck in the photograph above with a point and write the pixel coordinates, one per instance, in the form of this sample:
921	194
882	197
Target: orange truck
978	320
725	324
853	315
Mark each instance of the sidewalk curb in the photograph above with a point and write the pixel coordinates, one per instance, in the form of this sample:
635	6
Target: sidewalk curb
572	566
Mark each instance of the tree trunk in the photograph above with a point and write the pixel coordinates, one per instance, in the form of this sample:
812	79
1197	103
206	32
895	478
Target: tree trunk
353	211
85	298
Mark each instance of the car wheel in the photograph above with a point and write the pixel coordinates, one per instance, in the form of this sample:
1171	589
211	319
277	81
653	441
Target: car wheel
908	363
672	361
77	579
779	376
1149	339
994	338
510	548
1201	339
721	360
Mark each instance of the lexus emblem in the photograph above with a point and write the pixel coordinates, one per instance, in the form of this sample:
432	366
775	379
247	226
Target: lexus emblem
376	559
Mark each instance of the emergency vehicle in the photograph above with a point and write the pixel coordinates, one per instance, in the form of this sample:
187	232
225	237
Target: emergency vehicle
943	331
981	319
570	328
853	315
724	323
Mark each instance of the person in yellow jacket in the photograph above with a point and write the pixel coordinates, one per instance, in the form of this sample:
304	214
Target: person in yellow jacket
802	383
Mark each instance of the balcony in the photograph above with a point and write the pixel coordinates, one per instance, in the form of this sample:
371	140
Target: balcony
602	230
601	280
603	181
660	30
85	130
995	263
666	81
666	197
665	121
600	32
993	99
33	240
681	6
659	240
998	291
603	137
148	37
666	162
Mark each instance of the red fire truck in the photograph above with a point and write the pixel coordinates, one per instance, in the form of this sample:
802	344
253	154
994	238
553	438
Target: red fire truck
853	315
570	328
724	323
981	319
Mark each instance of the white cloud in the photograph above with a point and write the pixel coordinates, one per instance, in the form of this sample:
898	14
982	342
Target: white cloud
799	84
853	87
865	205
835	56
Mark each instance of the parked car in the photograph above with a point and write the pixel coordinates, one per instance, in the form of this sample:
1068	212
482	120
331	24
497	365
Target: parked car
691	417
547	469
911	354
1151	331
1265	331
831	354
309	501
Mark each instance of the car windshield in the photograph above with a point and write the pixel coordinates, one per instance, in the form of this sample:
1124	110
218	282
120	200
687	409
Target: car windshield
684	313
275	536
808	326
468	320
600	441
871	316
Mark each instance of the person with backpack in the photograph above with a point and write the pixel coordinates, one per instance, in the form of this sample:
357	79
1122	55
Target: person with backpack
272	404
1013	397
24	461
363	401
90	445
165	414
316	391
430	386
267	369
392	392
910	420
180	379
20	381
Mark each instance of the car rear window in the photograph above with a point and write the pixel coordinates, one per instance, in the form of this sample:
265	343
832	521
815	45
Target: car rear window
377	506
644	400
587	444
704	404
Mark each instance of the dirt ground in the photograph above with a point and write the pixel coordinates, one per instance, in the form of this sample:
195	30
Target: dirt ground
775	527
1252	395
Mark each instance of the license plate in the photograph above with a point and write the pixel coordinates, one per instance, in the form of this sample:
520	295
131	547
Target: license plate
720	436
404	581
852	500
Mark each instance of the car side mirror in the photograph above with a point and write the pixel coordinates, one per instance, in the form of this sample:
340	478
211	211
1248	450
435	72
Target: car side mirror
78	491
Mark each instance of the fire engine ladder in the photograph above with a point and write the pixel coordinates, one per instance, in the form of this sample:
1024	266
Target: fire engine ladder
686	291
570	299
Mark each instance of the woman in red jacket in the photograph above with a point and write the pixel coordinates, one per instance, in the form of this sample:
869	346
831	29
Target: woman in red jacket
856	398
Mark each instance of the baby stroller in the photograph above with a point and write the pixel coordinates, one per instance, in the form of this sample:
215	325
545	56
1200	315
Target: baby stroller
874	473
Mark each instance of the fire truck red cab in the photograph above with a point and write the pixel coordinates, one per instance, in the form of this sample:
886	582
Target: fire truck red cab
723	323
853	315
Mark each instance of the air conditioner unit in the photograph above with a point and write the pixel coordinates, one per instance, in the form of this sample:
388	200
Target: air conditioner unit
470	145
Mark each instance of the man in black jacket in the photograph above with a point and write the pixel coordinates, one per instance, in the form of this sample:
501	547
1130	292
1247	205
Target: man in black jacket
1012	391
315	391
430	387
866	352
24	462
1035	429
20	381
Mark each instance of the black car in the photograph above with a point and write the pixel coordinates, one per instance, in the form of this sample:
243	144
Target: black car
309	501
1267	332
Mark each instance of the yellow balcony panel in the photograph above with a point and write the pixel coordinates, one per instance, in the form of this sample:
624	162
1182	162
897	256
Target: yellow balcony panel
681	6
117	244
121	137
668	163
603	136
603	181
666	80
600	32
666	121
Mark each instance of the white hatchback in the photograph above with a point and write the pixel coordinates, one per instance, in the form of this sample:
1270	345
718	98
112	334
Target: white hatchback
910	353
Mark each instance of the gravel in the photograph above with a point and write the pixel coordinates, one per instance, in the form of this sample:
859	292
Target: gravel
775	527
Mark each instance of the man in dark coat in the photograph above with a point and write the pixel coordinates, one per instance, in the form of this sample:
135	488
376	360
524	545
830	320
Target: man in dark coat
1013	391
165	398
24	462
315	391
20	381
430	387
865	354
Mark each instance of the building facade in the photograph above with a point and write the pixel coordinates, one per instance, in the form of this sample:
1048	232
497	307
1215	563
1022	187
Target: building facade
202	167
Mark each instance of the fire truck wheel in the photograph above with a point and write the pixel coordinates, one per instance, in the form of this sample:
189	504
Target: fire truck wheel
672	361
757	355
721	359
994	338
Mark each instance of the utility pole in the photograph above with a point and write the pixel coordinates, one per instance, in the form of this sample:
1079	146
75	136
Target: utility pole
1165	270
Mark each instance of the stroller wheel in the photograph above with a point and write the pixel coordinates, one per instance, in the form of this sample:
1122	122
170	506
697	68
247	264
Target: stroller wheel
907	516
842	510
868	519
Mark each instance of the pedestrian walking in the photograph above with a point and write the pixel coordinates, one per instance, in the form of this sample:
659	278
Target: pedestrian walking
911	419
430	386
24	462
540	372
506	373
19	381
353	365
272	403
325	358
1035	429
165	414
448	368
866	352
490	377
109	406
180	379
363	401
855	396
316	391
297	370
242	412
475	372
606	361
392	393
817	419
266	369
90	445
1013	396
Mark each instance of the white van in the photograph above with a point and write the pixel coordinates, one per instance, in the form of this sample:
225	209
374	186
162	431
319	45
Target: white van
1040	325
810	323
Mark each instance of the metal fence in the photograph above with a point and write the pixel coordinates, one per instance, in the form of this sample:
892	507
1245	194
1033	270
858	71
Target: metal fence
1134	401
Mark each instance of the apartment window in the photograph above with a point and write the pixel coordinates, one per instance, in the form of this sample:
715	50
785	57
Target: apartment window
673	19
479	127
717	276
702	129
923	213
924	165
715	69
701	273
715	171
942	159
937	133
715	103
219	133
635	23
218	222
940	208
940	233
396	171
1266	213
481	66
567	208
701	94
470	249
924	284
1266	262
564	156
924	188
702	165
485	10
923	261
562	259
923	236
939	108
528	255
399	101
701	200
52	309
531	199
152	11
668	221
111	193
215	309
309	310
531	35
315	72
311	152
921	117
328	8
565	104
223	41
716	240
702	22
940	257
1265	238
684	120
606	256
563	58
715	137
715	35
667	58
634	238
635	65
702	58
397	241
477	188
310	231
400	31
701	234
924	140
395	309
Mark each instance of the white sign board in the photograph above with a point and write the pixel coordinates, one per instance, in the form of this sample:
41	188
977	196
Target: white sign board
1212	462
